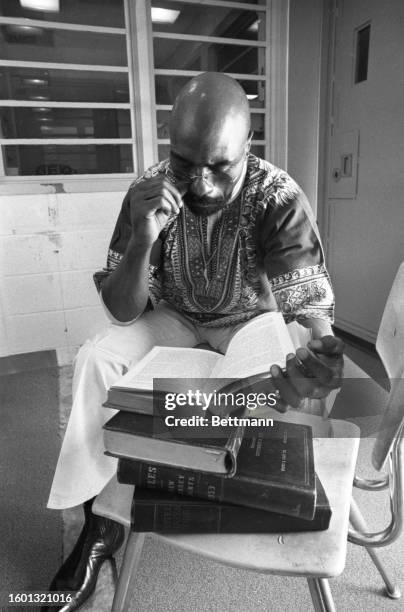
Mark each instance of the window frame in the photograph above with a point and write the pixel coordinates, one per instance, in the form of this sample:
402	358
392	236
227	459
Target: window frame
264	9
143	108
48	179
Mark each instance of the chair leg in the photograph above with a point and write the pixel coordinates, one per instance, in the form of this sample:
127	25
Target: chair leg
130	562
359	523
114	571
321	595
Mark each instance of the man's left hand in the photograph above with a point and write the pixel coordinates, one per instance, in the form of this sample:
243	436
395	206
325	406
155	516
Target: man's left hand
312	373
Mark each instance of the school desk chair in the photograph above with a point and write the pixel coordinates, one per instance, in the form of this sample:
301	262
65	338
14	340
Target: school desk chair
388	448
320	555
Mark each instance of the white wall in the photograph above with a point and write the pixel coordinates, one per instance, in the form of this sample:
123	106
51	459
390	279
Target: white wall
305	27
366	226
50	245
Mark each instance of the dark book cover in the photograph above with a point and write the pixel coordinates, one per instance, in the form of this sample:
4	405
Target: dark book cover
133	400
141	437
275	471
142	403
170	513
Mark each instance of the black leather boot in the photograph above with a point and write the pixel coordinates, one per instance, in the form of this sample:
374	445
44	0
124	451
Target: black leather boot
99	539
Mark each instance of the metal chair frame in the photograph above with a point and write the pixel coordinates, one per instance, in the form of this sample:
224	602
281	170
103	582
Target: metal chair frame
389	444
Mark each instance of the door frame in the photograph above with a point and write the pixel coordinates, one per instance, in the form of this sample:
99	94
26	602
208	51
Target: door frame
328	40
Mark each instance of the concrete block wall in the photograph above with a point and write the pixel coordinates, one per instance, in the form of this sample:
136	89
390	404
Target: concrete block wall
50	245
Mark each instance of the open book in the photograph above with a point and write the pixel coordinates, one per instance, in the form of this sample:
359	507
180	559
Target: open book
261	342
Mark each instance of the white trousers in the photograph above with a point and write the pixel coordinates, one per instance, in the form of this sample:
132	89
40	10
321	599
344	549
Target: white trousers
83	470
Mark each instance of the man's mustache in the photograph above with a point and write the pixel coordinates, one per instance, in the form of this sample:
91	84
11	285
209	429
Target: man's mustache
191	200
204	209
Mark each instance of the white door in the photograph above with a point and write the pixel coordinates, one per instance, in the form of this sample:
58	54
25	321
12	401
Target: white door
364	211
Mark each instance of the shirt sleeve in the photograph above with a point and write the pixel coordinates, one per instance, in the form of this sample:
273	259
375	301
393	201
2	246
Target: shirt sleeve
120	238
293	257
118	243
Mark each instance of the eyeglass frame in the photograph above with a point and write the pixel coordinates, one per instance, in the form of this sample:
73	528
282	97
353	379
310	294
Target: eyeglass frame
183	177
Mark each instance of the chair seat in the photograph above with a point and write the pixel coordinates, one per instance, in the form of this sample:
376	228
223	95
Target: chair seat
309	554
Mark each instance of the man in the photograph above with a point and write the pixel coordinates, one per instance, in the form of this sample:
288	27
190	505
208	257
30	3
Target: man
209	238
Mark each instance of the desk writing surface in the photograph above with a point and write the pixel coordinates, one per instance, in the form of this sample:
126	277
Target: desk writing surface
320	553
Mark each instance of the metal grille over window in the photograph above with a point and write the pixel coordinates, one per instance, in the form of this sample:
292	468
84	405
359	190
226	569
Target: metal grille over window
66	106
190	37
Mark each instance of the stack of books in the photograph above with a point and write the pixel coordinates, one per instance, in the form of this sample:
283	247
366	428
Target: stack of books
249	475
187	486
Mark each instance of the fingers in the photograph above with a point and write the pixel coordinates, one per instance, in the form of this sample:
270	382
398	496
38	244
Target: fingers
160	186
285	387
327	345
326	369
304	383
156	194
309	375
162	201
314	367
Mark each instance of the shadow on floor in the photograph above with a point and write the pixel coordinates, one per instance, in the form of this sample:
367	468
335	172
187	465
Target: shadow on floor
30	535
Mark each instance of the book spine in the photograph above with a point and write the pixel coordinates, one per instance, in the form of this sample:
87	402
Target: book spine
233	446
273	497
174	517
128	404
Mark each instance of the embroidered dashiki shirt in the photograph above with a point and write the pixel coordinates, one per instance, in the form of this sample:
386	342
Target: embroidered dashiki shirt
263	253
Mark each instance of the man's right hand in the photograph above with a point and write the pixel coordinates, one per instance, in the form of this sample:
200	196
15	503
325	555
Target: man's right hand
125	292
152	203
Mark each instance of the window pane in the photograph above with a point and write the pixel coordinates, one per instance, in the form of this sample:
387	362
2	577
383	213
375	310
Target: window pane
186	55
94	12
207	20
45	122
163	118
257	124
167	87
255	91
163	152
258	150
37	44
362	54
63	85
65	159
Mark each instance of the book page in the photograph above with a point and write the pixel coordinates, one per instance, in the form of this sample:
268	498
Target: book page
169	362
262	342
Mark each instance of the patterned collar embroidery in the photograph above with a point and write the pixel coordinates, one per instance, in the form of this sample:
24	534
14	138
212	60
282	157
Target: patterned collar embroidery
222	279
220	285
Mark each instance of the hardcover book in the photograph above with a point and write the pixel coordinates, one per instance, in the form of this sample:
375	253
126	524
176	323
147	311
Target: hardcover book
275	471
261	342
170	513
133	435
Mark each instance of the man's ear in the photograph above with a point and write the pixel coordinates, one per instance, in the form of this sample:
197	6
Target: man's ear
249	140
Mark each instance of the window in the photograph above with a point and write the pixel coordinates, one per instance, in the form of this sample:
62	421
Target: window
65	101
70	79
193	37
362	53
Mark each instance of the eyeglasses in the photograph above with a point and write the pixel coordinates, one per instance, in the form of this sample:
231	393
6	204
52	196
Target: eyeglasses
228	172
185	176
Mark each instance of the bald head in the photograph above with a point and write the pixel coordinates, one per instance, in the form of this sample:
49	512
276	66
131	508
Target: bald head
210	139
211	105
